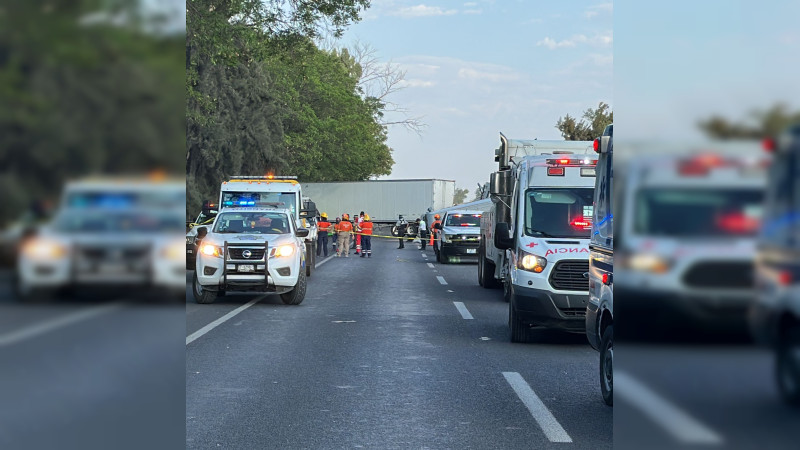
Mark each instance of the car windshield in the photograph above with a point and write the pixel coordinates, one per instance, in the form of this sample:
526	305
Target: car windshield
286	200
114	221
256	222
463	220
558	212
685	212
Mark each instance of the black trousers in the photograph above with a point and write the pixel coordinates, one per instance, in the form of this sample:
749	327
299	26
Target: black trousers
322	243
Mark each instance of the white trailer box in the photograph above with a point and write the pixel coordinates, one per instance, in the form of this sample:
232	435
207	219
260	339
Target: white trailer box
383	200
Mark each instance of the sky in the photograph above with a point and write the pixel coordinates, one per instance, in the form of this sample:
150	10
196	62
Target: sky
678	62
475	69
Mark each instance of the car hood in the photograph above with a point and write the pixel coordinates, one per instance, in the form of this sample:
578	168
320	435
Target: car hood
461	230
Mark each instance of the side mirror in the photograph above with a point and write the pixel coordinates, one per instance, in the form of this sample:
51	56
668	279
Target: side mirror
301	232
502	240
202	232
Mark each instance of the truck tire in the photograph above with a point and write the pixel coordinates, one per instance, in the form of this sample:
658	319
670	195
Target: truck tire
520	333
395	231
201	294
787	365
309	259
607	365
485	270
296	295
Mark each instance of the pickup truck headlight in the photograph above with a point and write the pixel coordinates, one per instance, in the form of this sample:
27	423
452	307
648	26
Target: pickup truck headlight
284	251
212	250
175	251
43	249
530	262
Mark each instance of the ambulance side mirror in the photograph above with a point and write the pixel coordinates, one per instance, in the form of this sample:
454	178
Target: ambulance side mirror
501	236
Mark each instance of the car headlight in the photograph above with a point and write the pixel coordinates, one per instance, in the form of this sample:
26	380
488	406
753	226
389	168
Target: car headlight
175	251
43	249
212	250
284	251
648	262
530	262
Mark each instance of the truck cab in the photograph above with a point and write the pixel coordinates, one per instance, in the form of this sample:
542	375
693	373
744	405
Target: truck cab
535	239
774	316
600	310
459	233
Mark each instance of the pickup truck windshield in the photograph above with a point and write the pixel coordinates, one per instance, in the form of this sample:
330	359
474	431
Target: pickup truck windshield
693	212
463	220
558	212
256	222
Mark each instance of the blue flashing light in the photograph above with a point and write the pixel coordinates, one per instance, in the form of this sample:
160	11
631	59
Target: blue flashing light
228	203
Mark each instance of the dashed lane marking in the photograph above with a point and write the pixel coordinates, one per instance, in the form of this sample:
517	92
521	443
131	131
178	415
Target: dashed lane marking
550	426
55	323
441	279
676	422
430	265
463	310
199	333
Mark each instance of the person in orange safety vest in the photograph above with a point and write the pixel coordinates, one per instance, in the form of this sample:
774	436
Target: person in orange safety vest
433	228
366	238
358	221
343	231
322	237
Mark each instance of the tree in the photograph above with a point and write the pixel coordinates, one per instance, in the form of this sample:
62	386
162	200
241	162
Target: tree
460	196
591	125
761	123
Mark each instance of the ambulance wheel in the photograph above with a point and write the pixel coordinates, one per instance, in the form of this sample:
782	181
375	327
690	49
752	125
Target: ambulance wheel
520	333
485	270
202	295
788	366
607	365
296	295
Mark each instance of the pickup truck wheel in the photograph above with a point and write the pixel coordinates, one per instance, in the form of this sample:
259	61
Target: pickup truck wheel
296	295
520	333
309	259
607	365
201	294
788	366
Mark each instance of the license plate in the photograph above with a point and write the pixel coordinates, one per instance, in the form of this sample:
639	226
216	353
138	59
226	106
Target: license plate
472	250
247	268
189	251
113	268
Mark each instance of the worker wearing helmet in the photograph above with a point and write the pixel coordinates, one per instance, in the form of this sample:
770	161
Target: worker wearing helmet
366	238
322	238
436	221
343	230
402	225
359	219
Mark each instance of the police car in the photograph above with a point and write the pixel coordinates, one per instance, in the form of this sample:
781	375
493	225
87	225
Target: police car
252	249
108	233
600	310
775	315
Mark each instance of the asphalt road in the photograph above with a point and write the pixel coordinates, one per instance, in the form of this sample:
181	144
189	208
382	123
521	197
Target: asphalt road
379	355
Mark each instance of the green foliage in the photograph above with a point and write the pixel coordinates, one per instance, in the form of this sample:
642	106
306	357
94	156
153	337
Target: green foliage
84	98
262	97
589	127
762	123
460	196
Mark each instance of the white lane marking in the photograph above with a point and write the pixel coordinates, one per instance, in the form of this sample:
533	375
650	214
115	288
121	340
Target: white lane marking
197	334
552	429
425	256
430	265
441	279
323	261
47	326
678	423
463	310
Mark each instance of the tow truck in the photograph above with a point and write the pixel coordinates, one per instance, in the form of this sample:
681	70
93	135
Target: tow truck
535	238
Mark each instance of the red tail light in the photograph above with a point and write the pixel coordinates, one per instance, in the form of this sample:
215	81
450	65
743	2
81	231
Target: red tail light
738	223
785	278
563	161
581	223
596	145
605	278
768	144
557	171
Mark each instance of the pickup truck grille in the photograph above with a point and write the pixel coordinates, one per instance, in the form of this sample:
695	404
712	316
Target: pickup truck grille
256	254
568	276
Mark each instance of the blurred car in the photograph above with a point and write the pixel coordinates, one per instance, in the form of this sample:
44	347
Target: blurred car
108	233
775	315
460	233
252	249
206	217
687	237
600	309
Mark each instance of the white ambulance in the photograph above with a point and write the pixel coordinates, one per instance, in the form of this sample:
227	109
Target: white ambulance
535	239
